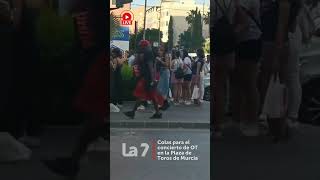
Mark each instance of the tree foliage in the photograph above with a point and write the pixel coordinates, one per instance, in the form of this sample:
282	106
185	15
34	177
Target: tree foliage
170	34
152	35
192	38
114	25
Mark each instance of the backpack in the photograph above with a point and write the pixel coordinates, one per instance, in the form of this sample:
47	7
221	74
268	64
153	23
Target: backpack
223	32
179	73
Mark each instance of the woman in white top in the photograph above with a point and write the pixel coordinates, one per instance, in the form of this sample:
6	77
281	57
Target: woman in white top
244	81
176	64
224	53
187	63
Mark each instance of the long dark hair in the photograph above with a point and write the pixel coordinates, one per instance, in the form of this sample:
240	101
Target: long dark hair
185	54
200	53
175	54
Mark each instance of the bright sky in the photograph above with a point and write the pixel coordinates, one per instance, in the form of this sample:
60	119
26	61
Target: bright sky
136	3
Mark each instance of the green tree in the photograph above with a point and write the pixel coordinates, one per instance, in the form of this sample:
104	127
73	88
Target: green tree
206	18
170	34
194	20
207	46
152	35
185	40
114	25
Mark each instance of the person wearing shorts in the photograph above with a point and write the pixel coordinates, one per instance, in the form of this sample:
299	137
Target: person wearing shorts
187	63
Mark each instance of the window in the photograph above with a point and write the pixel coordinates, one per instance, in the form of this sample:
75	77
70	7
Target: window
167	13
167	23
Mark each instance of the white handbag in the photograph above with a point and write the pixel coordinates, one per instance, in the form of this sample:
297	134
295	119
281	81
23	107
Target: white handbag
195	93
275	104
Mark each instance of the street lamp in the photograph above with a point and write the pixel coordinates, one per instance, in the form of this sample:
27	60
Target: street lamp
145	15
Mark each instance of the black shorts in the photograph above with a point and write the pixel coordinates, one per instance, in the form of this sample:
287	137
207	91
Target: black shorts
187	77
250	50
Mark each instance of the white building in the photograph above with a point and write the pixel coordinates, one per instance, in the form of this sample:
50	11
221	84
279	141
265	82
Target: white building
179	10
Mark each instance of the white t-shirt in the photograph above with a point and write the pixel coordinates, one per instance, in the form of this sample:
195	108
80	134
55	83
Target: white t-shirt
187	65
176	64
253	32
131	60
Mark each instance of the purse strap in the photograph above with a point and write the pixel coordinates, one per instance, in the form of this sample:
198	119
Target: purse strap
251	15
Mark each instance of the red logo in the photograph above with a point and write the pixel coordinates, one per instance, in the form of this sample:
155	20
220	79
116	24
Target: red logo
126	18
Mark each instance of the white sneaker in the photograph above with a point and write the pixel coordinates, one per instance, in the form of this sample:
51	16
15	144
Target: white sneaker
188	103
149	102
250	130
293	123
176	103
30	141
101	145
141	108
114	108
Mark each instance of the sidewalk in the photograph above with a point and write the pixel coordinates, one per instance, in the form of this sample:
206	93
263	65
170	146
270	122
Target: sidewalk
242	158
55	142
175	117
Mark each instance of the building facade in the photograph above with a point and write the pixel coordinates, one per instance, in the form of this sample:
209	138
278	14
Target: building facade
179	10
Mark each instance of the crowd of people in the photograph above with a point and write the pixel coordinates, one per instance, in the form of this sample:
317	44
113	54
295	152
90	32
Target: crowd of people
254	41
163	77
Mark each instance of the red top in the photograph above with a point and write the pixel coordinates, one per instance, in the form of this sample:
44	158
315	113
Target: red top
92	97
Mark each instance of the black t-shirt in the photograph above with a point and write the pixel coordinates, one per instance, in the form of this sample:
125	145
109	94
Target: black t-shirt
195	65
145	57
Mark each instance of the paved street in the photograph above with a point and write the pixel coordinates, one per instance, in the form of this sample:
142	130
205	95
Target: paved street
148	169
55	142
175	117
258	159
234	157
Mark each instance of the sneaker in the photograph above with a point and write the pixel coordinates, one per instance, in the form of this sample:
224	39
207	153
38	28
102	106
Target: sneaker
165	106
63	166
149	102
114	108
188	103
293	123
130	114
176	103
30	141
141	108
101	145
156	116
250	130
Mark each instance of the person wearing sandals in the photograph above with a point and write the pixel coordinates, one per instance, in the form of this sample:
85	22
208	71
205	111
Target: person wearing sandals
197	68
146	87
